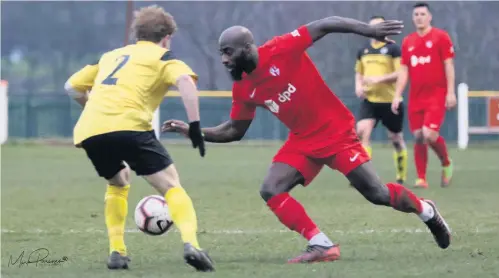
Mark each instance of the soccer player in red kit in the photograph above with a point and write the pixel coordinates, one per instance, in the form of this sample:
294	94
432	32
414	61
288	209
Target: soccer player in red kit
427	59
280	77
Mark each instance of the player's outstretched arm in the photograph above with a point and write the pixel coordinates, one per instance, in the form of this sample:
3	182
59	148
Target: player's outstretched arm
189	93
81	82
336	24
403	76
229	131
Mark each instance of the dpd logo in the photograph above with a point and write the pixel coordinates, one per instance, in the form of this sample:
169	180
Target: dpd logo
286	95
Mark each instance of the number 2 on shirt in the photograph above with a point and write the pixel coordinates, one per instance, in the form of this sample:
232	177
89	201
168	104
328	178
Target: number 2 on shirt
110	80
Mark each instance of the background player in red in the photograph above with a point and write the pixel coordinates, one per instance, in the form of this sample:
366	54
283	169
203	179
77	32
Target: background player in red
427	58
281	77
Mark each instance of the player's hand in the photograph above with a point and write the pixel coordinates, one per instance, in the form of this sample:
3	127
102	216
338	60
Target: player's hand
360	92
371	80
197	137
450	101
175	126
384	29
395	105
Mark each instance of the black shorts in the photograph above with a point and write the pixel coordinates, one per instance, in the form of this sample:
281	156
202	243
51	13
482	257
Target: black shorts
383	112
139	149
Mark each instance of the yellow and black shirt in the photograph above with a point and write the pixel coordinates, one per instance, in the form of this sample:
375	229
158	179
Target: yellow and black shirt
127	85
378	59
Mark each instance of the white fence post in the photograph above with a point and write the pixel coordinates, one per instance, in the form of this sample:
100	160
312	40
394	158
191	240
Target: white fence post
4	112
156	123
462	116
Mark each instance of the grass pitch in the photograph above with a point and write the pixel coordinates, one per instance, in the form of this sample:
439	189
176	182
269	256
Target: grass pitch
52	198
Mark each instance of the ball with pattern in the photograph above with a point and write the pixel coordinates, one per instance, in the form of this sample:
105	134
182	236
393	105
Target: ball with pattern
152	215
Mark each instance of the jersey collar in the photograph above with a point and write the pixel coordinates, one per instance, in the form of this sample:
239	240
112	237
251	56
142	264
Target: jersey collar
145	42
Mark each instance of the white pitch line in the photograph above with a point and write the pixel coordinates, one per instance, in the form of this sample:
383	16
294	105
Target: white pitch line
246	232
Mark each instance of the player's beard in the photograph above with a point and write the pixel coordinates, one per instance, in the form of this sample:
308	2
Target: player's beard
236	74
243	63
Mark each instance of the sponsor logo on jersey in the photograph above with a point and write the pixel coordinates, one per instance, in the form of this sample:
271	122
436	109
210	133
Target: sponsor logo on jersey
286	95
272	105
422	60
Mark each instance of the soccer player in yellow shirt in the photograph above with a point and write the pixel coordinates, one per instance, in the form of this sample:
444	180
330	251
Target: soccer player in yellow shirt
126	86
376	73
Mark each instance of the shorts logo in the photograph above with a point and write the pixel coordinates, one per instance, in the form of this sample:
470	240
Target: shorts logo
272	105
295	33
286	95
384	50
433	126
415	60
353	158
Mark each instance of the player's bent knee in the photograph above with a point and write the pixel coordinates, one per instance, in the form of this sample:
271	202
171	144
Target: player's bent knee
122	178
268	190
430	135
397	139
164	180
364	129
418	137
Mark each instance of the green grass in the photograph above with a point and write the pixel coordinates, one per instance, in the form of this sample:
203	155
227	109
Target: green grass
52	198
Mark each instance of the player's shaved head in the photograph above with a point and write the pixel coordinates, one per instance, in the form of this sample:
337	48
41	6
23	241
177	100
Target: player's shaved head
236	36
238	50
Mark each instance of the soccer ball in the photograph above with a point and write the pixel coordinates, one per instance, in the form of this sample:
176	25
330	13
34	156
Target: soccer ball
152	215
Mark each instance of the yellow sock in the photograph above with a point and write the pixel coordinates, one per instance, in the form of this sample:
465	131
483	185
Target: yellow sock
115	211
183	214
400	159
369	150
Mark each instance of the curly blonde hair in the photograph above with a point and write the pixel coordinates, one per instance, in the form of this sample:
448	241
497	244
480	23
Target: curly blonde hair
153	23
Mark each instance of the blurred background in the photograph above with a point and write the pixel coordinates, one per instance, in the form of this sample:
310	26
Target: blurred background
43	43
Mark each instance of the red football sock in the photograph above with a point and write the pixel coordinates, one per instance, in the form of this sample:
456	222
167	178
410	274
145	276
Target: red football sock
402	199
440	149
421	159
292	215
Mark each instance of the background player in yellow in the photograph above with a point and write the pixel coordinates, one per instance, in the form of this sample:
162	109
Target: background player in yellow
376	73
126	86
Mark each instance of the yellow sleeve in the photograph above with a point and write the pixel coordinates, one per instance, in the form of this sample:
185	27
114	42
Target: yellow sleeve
174	68
83	80
358	67
358	64
396	63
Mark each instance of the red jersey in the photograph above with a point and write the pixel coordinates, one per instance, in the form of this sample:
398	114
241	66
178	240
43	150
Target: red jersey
287	83
424	57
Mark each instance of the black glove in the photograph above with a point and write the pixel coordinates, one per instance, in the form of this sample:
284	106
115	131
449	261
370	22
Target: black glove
197	137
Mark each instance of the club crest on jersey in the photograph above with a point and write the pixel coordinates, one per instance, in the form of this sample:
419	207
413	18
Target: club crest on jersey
272	105
429	44
274	71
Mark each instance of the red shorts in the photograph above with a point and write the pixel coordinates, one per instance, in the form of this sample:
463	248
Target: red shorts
344	161
431	117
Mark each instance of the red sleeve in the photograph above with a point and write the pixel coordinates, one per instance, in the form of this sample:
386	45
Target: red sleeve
298	40
241	110
446	47
404	58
